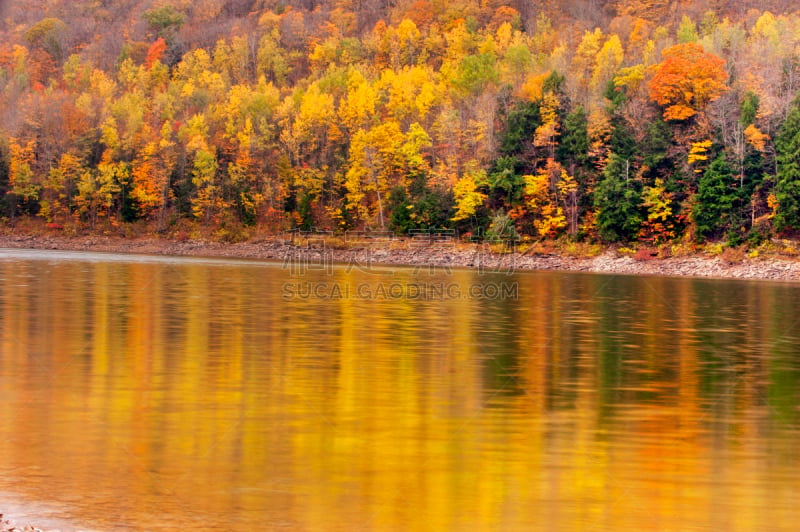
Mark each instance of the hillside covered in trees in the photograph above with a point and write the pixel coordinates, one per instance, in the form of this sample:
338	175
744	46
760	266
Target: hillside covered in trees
610	121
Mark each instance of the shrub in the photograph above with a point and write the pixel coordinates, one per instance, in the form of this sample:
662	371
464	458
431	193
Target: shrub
732	255
646	253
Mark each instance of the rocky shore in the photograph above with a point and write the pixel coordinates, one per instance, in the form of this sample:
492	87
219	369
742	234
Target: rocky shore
442	254
8	525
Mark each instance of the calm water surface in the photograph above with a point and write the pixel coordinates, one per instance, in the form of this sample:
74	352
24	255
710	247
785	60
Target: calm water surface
143	394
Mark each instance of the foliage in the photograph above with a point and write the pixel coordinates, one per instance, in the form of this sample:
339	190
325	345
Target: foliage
50	35
687	80
714	199
501	228
165	20
659	225
573	148
520	123
467	197
403	115
551	199
787	186
617	200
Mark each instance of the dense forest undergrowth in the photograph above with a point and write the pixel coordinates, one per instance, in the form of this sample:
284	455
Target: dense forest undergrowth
660	123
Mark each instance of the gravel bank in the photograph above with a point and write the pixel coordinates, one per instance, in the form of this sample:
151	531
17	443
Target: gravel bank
8	525
424	254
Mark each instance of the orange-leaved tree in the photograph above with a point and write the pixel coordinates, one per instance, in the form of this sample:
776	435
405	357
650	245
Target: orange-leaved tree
155	52
687	80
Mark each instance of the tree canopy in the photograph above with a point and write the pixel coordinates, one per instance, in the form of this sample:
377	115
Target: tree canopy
624	123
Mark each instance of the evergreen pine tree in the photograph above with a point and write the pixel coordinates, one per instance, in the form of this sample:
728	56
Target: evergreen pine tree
573	147
617	199
714	200
521	122
787	186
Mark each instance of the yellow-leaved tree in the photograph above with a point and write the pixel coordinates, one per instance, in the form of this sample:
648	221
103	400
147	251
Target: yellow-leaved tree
468	199
551	198
21	175
375	165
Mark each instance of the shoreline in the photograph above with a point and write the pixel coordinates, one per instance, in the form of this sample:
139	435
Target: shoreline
9	525
420	254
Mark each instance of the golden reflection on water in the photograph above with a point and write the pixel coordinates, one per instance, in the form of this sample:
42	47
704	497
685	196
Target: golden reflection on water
181	394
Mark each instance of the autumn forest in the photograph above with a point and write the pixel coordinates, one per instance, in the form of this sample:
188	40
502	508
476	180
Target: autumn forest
605	121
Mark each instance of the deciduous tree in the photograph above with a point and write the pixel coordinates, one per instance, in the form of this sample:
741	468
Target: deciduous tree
687	80
468	198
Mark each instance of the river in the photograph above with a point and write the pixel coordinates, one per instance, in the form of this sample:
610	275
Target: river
151	393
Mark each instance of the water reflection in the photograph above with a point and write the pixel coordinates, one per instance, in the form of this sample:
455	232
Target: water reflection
166	394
